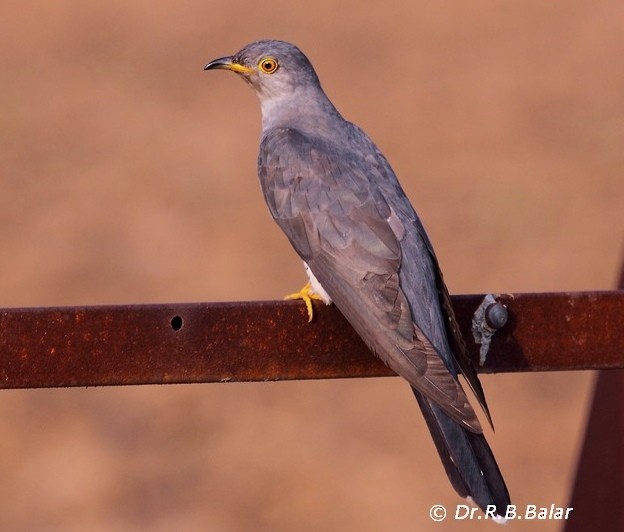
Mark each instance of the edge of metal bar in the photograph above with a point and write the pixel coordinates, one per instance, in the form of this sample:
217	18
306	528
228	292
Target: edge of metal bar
599	478
272	340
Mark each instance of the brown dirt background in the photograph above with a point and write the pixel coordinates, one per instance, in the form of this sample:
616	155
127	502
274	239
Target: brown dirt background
128	176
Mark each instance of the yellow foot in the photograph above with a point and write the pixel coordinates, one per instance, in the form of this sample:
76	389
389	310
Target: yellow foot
307	294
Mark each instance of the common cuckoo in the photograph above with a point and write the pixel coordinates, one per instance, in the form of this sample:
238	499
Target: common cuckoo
333	193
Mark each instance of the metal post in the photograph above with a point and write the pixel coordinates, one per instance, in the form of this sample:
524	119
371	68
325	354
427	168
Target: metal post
598	491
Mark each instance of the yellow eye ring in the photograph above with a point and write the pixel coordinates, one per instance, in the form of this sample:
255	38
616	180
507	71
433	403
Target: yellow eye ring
268	65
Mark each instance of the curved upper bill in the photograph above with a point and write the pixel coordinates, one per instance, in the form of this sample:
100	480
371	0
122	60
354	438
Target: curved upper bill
228	63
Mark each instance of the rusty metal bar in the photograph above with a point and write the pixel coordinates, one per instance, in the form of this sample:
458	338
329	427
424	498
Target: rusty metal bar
599	484
218	342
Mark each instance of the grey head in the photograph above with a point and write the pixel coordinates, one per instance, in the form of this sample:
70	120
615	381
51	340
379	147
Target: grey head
282	77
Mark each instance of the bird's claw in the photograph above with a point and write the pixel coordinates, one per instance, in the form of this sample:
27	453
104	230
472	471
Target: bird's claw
307	294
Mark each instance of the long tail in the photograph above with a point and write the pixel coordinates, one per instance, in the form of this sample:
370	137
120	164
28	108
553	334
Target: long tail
467	459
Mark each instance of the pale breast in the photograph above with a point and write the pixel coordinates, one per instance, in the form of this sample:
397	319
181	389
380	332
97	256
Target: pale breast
316	286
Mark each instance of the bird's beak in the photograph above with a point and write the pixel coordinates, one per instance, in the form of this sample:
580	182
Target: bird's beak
228	63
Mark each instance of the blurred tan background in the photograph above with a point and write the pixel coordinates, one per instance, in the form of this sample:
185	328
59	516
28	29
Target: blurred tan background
128	176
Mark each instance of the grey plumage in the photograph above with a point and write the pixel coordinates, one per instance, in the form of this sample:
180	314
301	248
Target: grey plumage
341	206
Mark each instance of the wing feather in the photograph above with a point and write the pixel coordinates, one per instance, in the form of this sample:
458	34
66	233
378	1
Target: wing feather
338	221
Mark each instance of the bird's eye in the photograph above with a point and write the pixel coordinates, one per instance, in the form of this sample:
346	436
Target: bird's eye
268	65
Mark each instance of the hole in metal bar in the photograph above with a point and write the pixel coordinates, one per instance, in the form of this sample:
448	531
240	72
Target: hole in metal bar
176	323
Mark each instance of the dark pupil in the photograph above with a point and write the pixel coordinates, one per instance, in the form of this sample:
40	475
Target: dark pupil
268	65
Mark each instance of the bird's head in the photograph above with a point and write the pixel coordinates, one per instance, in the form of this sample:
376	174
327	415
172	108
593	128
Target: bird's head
272	68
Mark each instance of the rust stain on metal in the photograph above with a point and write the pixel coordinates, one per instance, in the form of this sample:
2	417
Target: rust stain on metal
599	479
257	341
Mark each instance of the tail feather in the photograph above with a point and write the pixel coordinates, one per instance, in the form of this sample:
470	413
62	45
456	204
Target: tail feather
467	459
